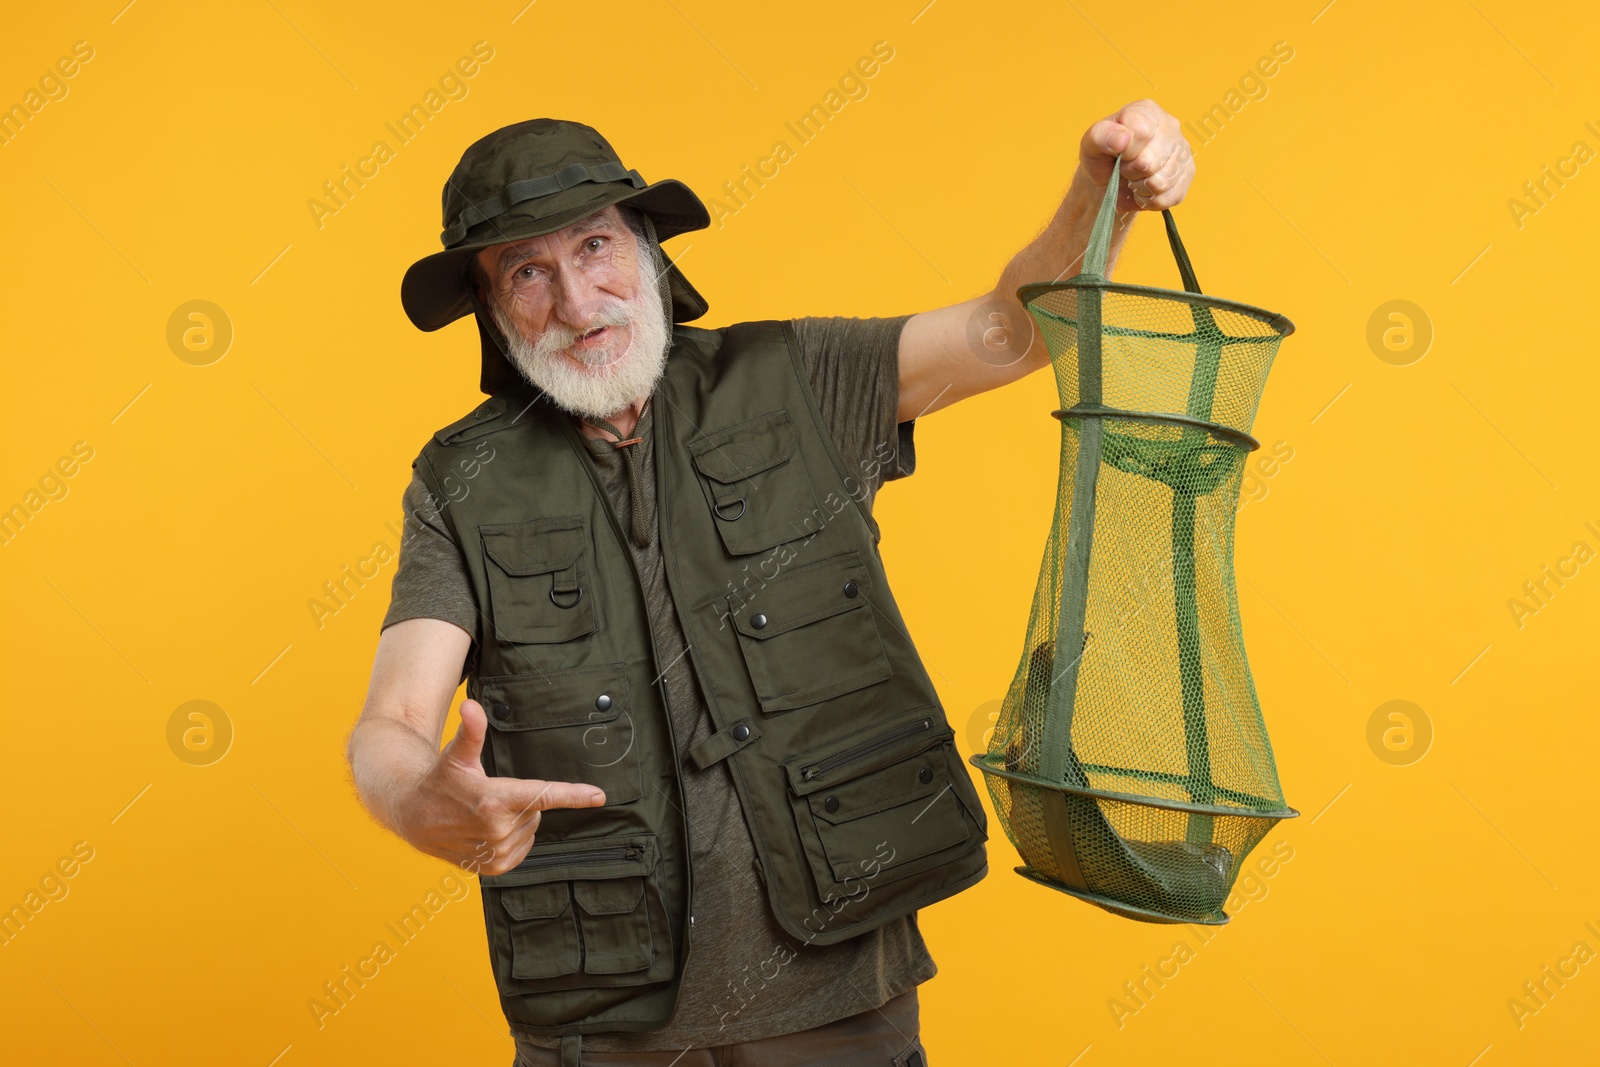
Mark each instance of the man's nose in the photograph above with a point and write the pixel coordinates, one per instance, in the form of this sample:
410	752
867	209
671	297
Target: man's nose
577	298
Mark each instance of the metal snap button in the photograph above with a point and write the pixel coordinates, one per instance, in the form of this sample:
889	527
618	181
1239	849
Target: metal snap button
832	804
759	622
925	775
741	732
603	701
501	711
850	589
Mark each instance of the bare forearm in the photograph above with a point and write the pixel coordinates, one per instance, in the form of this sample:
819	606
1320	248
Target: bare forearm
1057	253
387	760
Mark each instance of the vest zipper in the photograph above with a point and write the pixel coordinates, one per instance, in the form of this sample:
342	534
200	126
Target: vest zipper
812	771
615	854
661	427
658	423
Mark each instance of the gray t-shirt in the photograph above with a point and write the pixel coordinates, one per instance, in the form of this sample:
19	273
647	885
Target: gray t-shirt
853	369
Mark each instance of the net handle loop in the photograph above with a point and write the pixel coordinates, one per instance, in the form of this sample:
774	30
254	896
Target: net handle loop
1094	260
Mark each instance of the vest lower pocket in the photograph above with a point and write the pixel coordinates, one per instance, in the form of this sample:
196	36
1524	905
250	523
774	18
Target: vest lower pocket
597	927
539	579
544	937
809	634
881	805
571	725
580	924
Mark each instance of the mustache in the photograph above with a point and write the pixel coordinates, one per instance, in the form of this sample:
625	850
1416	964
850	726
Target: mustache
558	335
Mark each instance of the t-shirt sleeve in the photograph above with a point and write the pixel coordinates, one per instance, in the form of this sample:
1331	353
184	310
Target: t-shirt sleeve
854	368
430	581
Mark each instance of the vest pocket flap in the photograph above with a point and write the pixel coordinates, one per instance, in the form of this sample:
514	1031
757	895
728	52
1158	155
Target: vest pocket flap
541	901
585	696
864	752
917	778
737	453
805	595
613	896
537	546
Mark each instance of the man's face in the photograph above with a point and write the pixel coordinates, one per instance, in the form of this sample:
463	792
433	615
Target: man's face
581	312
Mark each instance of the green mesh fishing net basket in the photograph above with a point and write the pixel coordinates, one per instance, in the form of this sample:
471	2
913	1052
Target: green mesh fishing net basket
1129	764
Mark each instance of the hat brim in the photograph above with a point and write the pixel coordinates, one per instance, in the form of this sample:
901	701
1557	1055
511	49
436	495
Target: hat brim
433	291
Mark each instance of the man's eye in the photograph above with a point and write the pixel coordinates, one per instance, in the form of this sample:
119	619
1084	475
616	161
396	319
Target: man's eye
595	241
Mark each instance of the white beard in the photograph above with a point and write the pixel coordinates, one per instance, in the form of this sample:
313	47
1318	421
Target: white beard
618	373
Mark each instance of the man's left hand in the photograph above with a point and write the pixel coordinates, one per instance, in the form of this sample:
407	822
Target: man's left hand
1157	165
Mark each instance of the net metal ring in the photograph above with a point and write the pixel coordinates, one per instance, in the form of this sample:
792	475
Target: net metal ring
565	607
726	504
1239	437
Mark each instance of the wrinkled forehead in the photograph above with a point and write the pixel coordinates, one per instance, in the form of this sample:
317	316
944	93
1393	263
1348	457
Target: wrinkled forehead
496	258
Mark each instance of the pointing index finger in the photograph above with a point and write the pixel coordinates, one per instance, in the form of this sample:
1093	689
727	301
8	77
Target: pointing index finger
529	795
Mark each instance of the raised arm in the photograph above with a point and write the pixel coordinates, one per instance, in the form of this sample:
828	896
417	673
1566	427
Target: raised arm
954	352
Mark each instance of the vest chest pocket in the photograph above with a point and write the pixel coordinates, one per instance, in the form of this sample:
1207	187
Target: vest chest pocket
809	634
538	579
585	917
564	726
756	485
882	805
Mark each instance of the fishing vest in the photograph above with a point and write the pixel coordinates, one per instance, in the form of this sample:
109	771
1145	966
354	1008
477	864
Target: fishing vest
860	807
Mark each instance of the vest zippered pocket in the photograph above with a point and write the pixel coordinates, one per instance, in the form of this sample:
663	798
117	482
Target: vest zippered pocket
580	924
882	805
538	861
812	771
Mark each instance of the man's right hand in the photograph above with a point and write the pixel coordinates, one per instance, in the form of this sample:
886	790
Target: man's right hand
483	824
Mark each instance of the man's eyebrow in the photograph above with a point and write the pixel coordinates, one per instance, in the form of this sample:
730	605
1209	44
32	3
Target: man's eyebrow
517	253
512	255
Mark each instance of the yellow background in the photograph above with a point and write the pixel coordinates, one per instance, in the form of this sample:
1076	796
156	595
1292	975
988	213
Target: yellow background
1377	567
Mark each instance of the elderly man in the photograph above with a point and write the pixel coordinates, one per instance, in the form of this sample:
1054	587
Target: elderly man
701	772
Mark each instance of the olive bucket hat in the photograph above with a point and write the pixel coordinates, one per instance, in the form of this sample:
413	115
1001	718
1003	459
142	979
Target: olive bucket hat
526	180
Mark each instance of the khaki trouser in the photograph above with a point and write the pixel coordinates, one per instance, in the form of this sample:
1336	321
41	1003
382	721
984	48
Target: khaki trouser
889	1036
